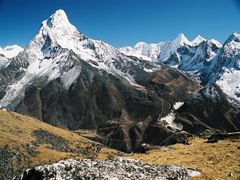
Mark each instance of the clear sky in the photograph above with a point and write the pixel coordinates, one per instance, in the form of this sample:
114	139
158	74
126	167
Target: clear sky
123	22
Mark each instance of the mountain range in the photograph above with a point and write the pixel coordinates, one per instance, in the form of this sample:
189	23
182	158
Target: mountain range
150	93
206	60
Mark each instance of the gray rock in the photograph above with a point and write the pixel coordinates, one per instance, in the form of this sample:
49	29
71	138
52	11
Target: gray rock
119	168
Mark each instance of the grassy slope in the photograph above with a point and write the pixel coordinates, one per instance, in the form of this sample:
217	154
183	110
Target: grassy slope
216	161
16	135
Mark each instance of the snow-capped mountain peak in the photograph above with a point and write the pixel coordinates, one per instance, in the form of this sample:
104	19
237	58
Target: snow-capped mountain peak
140	44
217	43
232	46
181	39
162	50
11	51
58	18
59	27
57	31
197	40
235	36
180	46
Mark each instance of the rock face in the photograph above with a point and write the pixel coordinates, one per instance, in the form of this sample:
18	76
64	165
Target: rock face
221	136
130	137
96	97
210	106
110	169
71	81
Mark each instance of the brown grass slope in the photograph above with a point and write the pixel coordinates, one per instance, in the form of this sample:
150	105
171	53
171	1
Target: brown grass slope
219	160
26	142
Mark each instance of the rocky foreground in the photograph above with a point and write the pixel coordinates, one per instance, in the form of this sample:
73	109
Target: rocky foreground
118	168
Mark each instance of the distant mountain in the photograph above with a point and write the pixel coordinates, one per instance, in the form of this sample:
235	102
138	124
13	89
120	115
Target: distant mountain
229	75
206	60
10	51
69	80
7	53
163	51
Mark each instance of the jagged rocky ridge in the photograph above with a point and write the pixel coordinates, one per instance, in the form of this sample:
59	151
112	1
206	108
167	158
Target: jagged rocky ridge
117	168
69	80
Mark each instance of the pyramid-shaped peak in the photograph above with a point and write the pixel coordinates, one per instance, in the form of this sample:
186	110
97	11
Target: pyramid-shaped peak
55	31
181	39
60	12
181	36
59	18
197	40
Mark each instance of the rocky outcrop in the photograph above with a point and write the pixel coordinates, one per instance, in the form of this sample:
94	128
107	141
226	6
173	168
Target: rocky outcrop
130	137
118	168
214	138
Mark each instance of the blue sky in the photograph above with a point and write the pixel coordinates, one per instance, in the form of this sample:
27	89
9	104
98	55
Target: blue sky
123	22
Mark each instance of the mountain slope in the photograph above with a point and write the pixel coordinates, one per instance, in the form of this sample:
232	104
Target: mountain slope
210	106
3	60
26	142
58	52
228	79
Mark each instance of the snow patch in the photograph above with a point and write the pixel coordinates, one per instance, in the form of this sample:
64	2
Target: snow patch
70	76
39	68
229	82
177	105
168	121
